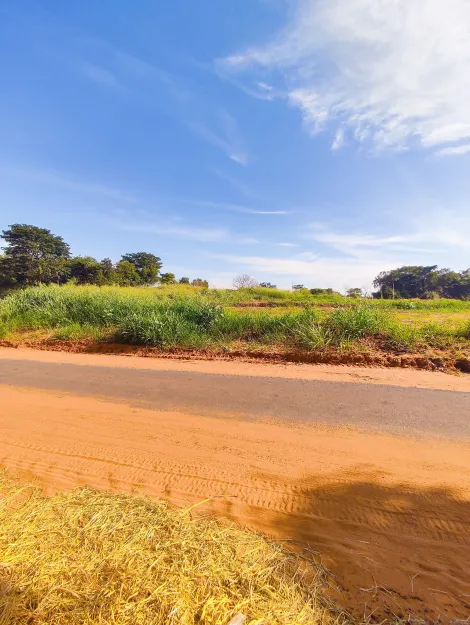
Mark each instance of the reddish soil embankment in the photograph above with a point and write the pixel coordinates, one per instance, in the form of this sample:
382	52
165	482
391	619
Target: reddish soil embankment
437	360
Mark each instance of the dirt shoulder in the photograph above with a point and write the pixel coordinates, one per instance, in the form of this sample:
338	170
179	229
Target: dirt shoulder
388	515
403	377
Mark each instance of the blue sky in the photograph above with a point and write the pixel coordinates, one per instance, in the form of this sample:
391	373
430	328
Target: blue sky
299	141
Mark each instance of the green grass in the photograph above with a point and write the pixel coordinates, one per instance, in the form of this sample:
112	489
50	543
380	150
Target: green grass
185	317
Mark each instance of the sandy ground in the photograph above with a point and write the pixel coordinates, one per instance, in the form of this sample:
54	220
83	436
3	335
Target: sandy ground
388	515
406	378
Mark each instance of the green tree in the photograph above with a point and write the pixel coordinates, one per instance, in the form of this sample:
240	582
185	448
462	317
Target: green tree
453	284
147	266
354	293
86	270
318	291
407	282
168	278
7	279
108	271
126	274
33	256
184	280
200	282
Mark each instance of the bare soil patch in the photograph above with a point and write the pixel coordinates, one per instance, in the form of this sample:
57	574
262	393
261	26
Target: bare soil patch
389	516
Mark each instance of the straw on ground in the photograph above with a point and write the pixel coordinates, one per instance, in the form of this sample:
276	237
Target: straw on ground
87	557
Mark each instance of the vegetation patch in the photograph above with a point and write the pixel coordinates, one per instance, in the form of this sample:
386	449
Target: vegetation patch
87	557
184	318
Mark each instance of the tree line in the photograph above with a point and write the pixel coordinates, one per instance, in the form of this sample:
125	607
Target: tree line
423	283
34	255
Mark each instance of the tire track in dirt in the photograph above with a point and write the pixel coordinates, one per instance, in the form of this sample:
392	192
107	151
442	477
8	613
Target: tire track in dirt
389	516
194	484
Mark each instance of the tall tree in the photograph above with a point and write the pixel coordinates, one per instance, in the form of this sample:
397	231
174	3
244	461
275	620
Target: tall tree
34	255
407	282
86	270
244	281
126	274
355	292
108	271
200	282
168	278
147	266
184	280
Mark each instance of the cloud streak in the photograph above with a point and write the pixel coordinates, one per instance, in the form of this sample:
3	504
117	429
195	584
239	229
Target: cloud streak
338	273
136	78
53	178
388	74
203	235
227	206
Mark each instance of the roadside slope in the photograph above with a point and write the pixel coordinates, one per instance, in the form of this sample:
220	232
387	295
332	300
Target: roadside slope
408	378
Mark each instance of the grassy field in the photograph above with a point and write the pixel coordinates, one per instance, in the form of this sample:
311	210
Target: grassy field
180	317
93	558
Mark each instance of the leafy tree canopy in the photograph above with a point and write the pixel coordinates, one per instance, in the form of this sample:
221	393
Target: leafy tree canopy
147	266
200	282
86	270
33	255
422	282
318	291
168	278
127	274
355	292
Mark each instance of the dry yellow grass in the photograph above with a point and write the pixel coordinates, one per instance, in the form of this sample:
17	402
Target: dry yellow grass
87	557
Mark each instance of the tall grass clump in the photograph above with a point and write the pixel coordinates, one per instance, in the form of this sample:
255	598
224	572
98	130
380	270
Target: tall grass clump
137	316
92	558
255	326
358	322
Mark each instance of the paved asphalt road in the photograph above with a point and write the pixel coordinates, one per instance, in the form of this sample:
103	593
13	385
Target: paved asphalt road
387	408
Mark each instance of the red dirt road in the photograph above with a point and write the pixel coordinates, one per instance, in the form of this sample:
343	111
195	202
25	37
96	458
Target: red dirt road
388	513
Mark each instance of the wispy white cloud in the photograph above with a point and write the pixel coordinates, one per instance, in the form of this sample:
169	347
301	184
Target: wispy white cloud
204	235
341	259
155	87
190	233
236	208
99	75
282	244
53	178
244	189
247	241
444	229
338	273
456	150
392	74
227	139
